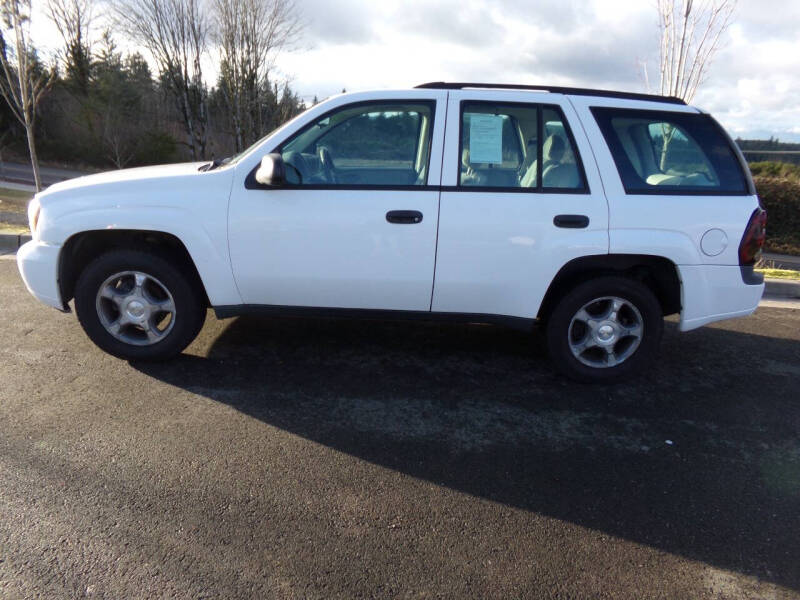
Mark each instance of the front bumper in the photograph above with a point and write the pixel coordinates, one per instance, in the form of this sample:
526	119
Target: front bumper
713	293
38	265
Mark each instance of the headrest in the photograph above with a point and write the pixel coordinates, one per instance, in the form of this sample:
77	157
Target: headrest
553	148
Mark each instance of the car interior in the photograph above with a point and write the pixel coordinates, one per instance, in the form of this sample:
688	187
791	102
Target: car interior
519	165
386	144
663	154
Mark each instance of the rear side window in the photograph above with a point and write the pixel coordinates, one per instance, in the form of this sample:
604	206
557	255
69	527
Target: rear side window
659	152
518	147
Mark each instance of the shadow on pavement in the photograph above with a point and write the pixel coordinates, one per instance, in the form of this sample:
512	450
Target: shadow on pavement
699	458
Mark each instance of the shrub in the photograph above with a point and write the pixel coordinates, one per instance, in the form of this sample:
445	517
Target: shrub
156	148
781	198
775	169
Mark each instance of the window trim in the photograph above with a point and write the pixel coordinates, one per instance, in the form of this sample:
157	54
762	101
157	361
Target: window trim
603	116
539	189
250	182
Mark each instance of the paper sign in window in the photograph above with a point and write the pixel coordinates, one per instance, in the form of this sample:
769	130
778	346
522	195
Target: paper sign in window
486	139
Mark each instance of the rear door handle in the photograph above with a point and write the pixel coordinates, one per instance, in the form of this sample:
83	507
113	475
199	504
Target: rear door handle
410	217
571	221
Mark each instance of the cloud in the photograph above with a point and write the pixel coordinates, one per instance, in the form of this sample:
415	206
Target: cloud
464	23
339	22
752	87
769	19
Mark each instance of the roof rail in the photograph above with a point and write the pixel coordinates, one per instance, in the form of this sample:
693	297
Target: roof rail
442	85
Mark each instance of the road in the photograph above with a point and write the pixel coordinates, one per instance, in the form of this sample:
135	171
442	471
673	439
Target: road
306	458
782	261
23	173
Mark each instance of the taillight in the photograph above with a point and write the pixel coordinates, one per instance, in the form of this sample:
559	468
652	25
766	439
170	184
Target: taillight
753	238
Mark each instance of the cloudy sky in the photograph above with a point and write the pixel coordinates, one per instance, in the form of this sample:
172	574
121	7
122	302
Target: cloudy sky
753	87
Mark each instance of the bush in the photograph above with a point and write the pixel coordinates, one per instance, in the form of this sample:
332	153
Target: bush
775	169
781	198
156	148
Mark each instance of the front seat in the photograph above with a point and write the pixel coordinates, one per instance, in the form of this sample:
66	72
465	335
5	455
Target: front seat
558	174
552	153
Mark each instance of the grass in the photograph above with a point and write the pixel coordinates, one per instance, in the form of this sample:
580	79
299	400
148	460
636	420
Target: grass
14	200
780	273
13	229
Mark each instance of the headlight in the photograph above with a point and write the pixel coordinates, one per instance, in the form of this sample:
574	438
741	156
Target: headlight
34	208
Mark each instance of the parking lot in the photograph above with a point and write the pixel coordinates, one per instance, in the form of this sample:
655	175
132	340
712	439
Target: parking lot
311	458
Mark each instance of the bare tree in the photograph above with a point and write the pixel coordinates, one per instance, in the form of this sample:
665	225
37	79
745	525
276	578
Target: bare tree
24	82
250	35
175	32
691	32
73	18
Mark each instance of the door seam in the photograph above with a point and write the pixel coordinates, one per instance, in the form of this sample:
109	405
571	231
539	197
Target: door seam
439	199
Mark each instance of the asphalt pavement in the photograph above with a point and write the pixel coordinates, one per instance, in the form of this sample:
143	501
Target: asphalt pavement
22	173
312	458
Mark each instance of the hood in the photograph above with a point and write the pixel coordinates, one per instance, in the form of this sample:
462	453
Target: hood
123	175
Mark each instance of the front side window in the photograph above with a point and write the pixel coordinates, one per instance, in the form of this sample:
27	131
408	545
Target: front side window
374	144
670	152
524	146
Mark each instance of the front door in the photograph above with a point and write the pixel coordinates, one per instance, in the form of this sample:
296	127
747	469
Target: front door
355	226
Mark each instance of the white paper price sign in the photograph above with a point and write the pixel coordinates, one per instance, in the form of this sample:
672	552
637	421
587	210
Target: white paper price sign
486	139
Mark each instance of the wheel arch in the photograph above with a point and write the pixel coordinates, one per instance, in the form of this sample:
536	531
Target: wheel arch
81	248
656	272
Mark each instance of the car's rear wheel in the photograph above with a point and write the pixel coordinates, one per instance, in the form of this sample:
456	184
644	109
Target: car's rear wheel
138	306
605	330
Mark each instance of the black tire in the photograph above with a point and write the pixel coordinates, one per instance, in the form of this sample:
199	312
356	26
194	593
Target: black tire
189	305
559	333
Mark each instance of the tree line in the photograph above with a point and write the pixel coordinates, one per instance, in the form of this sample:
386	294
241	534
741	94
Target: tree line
772	150
99	106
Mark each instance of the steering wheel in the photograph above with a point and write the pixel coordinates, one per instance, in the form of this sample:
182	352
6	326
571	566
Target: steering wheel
326	162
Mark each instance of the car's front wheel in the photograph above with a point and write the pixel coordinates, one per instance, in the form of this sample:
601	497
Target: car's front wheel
605	330
138	306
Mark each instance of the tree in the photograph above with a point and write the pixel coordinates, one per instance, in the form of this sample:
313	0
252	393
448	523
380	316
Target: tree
250	35
175	33
116	100
73	18
691	31
24	82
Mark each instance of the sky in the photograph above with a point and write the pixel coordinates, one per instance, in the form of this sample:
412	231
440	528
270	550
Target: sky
752	87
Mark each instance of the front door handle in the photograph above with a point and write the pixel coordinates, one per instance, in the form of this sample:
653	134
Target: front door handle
571	221
409	217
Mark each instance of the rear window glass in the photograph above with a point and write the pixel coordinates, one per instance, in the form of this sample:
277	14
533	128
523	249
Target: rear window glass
659	152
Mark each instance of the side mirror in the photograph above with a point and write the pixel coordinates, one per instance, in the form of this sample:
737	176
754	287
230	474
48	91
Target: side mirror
272	171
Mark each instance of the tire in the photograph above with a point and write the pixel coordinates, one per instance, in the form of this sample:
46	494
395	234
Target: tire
136	305
605	330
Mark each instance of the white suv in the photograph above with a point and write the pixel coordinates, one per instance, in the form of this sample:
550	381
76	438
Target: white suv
595	213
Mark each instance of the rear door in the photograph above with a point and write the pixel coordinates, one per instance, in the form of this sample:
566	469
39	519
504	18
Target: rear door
521	197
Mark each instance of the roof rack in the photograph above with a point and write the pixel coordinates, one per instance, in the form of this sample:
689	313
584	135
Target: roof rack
442	85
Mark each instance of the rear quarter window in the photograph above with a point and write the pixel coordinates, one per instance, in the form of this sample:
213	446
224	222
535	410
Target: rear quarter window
662	152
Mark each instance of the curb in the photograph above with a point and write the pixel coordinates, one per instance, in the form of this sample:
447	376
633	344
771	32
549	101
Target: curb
782	288
12	241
